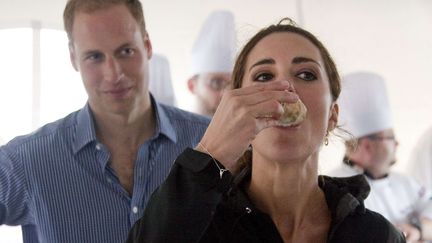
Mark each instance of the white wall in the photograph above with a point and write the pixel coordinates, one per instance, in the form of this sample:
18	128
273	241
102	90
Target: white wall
392	37
23	11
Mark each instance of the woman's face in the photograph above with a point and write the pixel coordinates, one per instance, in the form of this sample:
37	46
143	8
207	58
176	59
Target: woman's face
291	57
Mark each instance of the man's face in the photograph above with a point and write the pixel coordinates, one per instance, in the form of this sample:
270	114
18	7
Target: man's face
208	88
112	55
383	149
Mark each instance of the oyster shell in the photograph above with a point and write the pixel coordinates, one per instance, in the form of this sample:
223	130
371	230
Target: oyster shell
294	113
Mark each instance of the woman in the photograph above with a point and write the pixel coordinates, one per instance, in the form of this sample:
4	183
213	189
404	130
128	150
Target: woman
275	195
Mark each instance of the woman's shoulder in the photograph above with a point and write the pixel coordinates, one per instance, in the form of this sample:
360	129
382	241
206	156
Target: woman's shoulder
352	222
366	226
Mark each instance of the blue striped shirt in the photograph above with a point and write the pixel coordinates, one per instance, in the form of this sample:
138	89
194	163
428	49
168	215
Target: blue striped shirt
57	183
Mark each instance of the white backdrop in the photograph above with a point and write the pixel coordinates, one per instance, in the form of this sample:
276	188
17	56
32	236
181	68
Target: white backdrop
391	37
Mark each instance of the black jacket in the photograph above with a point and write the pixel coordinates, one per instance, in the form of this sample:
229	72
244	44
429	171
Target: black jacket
195	204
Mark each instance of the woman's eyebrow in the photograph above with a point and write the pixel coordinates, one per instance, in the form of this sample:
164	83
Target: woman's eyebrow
263	61
298	60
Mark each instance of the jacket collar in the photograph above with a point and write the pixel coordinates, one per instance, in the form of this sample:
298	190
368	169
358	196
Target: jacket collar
344	196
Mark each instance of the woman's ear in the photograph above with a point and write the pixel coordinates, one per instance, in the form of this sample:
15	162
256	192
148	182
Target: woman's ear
333	118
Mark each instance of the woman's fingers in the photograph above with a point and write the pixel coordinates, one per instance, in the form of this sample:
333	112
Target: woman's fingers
267	109
241	115
259	87
255	95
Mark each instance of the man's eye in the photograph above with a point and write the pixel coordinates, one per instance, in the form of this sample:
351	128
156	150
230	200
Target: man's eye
94	57
263	77
218	84
307	76
128	51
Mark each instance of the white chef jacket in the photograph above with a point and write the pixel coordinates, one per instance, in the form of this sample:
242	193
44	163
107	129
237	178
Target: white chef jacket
397	197
420	162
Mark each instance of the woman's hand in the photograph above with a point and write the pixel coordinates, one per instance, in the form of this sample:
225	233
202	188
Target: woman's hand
240	116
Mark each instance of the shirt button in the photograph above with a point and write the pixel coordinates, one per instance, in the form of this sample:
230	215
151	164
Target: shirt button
98	146
109	180
135	210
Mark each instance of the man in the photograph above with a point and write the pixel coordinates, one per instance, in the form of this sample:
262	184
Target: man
420	162
160	85
365	113
212	61
88	176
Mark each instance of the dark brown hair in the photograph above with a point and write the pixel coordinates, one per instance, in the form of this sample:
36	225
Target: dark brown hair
89	6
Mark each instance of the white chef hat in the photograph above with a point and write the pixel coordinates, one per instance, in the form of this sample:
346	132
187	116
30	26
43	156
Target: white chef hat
214	49
160	84
364	106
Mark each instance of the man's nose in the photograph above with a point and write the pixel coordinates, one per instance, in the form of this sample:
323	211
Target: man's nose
112	70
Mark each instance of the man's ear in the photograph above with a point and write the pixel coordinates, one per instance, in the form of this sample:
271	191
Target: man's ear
368	145
72	57
148	45
333	118
191	84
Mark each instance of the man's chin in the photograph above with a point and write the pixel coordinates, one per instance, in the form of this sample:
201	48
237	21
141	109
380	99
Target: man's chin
210	111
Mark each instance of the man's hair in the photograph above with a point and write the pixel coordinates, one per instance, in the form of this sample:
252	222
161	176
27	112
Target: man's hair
351	146
90	6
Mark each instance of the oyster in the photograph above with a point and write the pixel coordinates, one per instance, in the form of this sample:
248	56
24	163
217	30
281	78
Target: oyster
294	113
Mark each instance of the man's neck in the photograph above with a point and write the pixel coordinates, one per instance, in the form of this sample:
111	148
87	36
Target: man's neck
375	176
372	174
125	129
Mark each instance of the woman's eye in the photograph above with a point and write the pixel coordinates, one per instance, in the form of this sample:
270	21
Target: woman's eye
307	76
263	77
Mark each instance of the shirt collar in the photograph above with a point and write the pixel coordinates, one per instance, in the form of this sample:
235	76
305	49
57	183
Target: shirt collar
353	165
163	122
86	132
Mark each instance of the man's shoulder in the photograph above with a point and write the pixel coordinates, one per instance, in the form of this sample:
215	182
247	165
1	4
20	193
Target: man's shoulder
409	184
398	177
177	115
46	133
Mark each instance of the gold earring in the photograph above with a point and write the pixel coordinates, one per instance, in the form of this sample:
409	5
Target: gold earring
326	141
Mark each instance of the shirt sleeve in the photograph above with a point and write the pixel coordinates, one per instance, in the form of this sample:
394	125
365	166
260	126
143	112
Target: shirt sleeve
181	209
13	191
423	204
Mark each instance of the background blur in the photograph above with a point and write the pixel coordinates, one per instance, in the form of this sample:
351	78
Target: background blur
390	37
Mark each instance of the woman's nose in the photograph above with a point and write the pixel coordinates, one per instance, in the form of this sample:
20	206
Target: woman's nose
291	87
